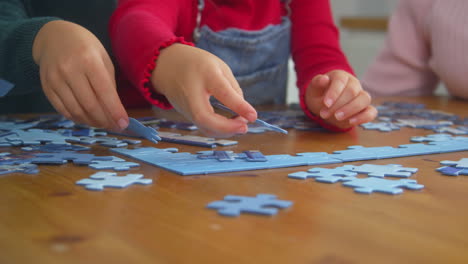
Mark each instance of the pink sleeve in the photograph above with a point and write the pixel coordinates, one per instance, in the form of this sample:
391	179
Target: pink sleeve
402	67
315	47
139	29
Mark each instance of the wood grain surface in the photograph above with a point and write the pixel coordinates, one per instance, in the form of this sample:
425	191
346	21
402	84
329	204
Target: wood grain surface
46	218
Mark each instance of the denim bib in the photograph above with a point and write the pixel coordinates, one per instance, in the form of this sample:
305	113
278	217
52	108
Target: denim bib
258	59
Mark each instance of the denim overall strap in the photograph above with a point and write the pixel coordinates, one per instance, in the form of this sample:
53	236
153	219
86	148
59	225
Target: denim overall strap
258	59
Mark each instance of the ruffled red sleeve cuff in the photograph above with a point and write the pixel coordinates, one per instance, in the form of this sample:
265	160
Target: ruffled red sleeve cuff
316	118
146	86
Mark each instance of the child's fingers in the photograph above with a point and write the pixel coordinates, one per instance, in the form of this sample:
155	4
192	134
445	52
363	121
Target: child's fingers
56	102
88	101
366	115
351	91
213	124
209	122
337	86
354	106
235	101
104	87
63	91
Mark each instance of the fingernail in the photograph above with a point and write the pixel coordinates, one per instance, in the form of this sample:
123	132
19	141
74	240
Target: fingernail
324	114
242	130
328	102
353	121
339	115
251	117
123	124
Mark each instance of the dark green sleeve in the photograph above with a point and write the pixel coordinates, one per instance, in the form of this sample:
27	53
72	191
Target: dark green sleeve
17	33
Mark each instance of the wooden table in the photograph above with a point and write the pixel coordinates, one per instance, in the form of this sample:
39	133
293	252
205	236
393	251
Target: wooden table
46	218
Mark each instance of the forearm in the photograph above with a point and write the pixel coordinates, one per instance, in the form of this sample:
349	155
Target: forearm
315	47
139	30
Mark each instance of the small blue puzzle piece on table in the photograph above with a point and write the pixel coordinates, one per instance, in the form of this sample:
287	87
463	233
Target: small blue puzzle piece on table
65	156
373	184
337	174
461	164
55	148
116	163
381	126
393	170
263	204
452	171
141	130
34	137
99	180
10	159
21	168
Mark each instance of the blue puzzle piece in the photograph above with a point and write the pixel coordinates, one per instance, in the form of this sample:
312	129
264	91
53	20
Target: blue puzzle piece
334	175
21	168
220	155
190	164
5	87
194	140
35	137
55	148
117	164
373	184
461	164
11	159
99	180
65	156
356	153
452	171
252	155
8	125
393	170
381	126
234	205
143	131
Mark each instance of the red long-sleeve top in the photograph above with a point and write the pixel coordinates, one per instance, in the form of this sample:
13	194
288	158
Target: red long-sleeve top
139	29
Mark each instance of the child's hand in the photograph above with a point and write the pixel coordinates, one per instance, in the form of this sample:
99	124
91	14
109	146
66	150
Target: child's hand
338	98
188	76
77	75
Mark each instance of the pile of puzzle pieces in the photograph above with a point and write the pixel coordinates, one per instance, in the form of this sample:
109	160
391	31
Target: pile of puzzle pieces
393	115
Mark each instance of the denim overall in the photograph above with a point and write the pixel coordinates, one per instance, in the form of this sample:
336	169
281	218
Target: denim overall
258	59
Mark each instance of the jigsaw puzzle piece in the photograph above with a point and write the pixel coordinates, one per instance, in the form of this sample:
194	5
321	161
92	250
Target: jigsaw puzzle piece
373	184
381	126
394	170
461	164
141	130
65	156
100	180
114	164
21	168
452	171
5	87
334	175
264	204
